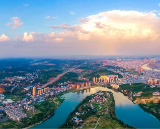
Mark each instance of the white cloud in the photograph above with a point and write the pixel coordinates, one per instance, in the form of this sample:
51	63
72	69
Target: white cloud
113	32
28	37
72	13
25	4
48	17
16	23
4	38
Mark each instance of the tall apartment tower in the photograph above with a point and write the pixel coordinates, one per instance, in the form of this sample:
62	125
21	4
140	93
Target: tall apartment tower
140	69
94	79
42	91
34	91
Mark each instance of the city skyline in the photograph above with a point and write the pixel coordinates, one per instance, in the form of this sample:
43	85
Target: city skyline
57	28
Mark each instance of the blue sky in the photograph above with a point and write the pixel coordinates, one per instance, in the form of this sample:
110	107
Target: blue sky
33	15
108	27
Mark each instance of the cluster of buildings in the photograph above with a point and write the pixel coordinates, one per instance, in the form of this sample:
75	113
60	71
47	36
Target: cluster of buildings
137	66
106	79
15	113
153	81
81	85
40	91
97	98
29	107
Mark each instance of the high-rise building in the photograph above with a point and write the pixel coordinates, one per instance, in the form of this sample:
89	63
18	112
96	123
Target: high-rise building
78	86
82	85
34	91
140	69
47	89
42	91
86	84
149	81
89	84
152	82
39	92
73	86
155	81
94	79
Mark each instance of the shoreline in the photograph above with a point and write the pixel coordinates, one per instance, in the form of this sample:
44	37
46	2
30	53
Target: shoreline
61	94
111	111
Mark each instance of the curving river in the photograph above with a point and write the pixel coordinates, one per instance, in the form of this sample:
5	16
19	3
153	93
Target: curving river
146	67
126	111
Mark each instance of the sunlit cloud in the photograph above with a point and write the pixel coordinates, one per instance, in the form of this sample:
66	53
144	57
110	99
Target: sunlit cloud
4	38
54	37
28	37
16	23
113	32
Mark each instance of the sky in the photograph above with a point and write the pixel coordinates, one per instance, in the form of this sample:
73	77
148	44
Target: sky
46	28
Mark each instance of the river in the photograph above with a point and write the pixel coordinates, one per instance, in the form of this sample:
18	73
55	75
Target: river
126	111
146	67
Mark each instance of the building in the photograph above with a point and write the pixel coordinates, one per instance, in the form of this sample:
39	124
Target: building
78	86
42	91
39	92
73	85
86	84
82	85
89	84
140	69
47	89
34	91
94	79
107	79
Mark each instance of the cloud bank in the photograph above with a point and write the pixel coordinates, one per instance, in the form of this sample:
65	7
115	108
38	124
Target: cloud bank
113	32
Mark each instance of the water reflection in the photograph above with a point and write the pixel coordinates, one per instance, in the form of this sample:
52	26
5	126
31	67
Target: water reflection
78	92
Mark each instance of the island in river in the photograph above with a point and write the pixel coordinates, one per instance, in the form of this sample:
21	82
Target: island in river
95	111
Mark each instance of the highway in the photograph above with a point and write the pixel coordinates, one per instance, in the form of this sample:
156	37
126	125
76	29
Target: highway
59	76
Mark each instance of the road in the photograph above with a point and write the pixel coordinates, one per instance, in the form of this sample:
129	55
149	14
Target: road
59	76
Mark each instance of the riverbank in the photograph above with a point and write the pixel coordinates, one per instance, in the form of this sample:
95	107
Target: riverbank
60	101
145	99
96	110
43	111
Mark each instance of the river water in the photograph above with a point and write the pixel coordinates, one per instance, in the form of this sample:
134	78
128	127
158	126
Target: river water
146	67
126	111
